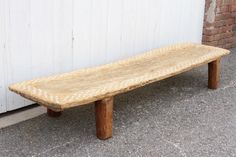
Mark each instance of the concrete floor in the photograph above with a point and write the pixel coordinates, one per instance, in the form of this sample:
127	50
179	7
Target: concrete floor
175	117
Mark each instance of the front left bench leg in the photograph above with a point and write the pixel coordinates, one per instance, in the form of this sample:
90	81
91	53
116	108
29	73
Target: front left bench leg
52	113
103	114
214	74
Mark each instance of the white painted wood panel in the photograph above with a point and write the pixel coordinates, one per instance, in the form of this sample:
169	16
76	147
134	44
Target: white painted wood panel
18	52
43	37
2	58
114	29
82	24
62	35
98	45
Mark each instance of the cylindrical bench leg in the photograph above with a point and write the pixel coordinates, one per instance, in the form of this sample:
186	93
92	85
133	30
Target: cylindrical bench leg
214	74
103	113
52	113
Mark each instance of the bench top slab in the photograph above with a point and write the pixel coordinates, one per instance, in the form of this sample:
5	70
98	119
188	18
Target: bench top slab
88	85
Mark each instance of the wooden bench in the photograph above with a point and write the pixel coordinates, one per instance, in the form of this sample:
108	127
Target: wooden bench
101	84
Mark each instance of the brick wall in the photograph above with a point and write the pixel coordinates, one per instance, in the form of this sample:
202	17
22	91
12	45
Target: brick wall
220	23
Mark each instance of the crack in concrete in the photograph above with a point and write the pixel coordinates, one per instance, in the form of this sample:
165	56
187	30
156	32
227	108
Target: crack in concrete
176	145
232	84
53	148
87	151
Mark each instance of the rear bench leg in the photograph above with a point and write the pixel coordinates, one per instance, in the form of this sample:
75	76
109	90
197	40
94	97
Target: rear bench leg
214	74
103	114
52	113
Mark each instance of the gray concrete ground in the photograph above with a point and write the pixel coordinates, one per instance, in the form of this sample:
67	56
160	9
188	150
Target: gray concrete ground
175	117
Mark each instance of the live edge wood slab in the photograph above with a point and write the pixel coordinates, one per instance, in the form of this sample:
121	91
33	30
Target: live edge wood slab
100	84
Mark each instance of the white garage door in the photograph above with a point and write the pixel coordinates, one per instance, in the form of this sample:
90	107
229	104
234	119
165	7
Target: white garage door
44	37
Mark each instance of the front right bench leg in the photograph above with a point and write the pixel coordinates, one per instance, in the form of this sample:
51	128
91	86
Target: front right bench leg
104	113
214	74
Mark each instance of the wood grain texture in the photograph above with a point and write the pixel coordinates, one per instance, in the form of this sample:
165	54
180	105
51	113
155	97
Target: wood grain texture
88	85
104	113
214	74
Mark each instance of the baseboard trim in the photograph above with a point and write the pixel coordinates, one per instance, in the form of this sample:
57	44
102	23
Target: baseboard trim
17	116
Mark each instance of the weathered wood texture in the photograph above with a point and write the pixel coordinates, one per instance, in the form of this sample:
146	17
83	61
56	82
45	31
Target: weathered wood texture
88	85
214	74
52	113
103	113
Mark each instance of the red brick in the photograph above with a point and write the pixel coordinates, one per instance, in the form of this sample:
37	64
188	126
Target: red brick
221	32
233	8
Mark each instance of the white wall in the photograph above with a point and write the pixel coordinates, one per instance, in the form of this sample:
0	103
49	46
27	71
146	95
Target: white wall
43	37
2	57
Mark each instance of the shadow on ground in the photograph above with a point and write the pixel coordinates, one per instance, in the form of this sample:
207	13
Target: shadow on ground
175	117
